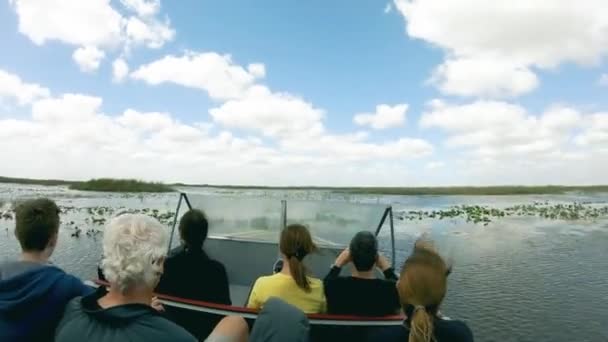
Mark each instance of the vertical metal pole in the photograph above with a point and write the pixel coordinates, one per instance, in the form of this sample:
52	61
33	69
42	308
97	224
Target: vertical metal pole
283	214
382	221
179	204
392	237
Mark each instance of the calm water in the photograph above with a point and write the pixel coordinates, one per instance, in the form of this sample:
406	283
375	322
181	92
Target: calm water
517	279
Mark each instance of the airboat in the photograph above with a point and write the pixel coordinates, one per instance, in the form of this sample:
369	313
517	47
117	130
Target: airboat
244	234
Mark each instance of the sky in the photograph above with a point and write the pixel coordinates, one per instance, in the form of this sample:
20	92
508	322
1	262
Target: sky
328	93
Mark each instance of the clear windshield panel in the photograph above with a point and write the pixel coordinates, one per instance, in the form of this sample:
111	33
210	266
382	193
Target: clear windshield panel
245	218
334	223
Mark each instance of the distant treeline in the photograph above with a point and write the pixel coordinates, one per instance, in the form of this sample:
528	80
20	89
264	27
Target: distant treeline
120	185
101	184
131	185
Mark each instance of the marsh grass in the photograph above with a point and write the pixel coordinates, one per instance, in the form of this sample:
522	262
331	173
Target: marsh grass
120	185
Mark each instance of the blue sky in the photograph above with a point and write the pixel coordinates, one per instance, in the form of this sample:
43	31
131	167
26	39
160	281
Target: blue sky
505	105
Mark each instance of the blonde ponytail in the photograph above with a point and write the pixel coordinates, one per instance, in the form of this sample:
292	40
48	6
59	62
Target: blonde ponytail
421	326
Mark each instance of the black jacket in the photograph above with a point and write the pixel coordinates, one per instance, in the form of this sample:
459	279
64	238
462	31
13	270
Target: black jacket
193	275
361	297
85	320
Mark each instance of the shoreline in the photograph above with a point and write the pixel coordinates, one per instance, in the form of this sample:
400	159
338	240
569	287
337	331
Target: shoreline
501	190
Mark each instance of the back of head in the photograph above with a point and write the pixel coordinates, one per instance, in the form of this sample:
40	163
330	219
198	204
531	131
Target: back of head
296	243
193	228
422	287
37	223
364	251
134	247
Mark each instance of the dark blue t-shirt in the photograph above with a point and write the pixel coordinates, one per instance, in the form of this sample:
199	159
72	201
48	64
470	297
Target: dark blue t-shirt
444	331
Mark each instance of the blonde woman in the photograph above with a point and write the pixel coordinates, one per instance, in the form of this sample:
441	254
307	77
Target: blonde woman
422	288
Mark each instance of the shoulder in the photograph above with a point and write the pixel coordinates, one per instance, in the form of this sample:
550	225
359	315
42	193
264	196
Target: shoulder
72	310
454	329
315	282
172	331
216	266
263	280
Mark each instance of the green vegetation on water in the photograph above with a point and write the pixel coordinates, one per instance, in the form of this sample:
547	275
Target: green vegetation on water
120	185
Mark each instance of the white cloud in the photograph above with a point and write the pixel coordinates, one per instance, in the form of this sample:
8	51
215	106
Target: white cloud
272	114
603	81
81	23
490	129
70	128
92	24
434	165
12	87
151	33
388	8
258	70
120	70
143	8
385	117
483	77
88	58
523	35
69	108
595	133
209	71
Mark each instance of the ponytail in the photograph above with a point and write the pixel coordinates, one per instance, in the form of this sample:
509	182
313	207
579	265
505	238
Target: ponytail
295	244
421	326
298	272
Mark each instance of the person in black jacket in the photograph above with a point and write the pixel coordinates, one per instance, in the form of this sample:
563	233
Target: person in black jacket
189	271
362	294
191	274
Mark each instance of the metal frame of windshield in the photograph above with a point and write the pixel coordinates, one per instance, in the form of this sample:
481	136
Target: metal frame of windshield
388	213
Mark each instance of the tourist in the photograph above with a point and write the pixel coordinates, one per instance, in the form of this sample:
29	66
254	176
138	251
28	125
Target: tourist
134	249
362	293
277	322
291	283
189	272
422	288
33	292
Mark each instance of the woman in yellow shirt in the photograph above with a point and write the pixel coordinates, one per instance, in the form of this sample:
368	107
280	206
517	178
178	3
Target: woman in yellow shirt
292	284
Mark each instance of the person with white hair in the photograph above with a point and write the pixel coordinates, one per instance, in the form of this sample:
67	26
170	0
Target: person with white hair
134	249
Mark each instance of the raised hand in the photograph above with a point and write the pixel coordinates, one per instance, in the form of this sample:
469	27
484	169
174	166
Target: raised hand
382	263
343	258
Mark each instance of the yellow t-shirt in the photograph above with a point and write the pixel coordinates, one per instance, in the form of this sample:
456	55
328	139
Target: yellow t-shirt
284	287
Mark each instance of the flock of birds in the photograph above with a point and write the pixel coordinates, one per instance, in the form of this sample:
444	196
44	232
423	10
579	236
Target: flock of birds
95	218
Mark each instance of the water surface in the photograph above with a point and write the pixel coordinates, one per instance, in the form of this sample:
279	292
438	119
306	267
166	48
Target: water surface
516	279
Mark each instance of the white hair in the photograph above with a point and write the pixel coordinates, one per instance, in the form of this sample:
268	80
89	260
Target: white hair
132	246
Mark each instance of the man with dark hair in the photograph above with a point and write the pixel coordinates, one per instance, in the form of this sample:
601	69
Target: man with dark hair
34	293
190	273
362	294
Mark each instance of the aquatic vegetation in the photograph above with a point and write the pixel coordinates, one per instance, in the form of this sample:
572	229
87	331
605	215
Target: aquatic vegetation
414	191
484	215
120	185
